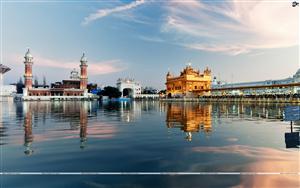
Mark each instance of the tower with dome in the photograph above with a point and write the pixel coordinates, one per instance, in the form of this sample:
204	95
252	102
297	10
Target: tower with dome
74	88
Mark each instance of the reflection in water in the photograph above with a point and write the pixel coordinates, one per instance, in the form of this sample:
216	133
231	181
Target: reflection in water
2	128
199	117
76	113
248	110
263	159
4	109
189	117
28	136
83	125
128	111
95	137
292	139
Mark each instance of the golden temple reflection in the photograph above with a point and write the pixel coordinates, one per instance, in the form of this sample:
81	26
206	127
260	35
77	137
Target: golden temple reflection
189	117
28	136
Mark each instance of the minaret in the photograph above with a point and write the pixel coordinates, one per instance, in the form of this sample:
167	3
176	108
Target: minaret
168	75
28	69
83	72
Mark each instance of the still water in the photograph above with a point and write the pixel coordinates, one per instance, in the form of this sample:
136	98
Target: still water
146	136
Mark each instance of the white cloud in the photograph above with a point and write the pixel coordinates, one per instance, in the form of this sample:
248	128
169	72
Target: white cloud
233	27
94	67
229	49
105	12
151	39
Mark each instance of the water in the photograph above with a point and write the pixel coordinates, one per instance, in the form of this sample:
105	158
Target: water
147	136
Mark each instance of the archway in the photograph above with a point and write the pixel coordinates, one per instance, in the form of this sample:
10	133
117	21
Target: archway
127	92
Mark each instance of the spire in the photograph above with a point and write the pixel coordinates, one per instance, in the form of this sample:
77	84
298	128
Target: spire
169	73
189	63
28	57
83	58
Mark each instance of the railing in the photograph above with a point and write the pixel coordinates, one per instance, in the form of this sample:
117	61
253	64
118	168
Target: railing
58	98
147	96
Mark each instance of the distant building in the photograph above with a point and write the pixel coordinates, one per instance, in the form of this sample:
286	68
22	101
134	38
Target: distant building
129	87
258	87
8	90
75	87
72	83
5	90
190	83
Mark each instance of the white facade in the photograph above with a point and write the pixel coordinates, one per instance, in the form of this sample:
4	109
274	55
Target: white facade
5	90
291	90
8	90
133	87
1	83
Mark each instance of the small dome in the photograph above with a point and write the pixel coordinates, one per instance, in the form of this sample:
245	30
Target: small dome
28	54
74	75
83	58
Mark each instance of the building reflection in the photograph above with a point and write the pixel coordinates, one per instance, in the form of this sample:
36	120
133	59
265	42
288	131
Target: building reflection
189	117
36	113
28	135
2	128
6	112
83	125
248	110
198	117
128	111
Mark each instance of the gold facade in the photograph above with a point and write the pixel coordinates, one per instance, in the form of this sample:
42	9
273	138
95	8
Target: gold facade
191	82
189	118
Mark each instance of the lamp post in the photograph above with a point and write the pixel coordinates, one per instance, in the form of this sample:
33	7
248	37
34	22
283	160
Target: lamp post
295	3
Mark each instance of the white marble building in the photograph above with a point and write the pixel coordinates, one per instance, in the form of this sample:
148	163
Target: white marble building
292	90
5	90
129	87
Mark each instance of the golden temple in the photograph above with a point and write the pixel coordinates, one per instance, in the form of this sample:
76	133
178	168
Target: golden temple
190	83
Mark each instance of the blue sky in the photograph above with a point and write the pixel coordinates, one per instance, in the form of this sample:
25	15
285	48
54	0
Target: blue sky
238	40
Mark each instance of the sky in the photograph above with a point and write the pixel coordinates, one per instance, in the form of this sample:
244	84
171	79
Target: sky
239	40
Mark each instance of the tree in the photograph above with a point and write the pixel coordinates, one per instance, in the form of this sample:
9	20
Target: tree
111	92
44	82
92	87
149	90
20	81
20	85
162	91
36	82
